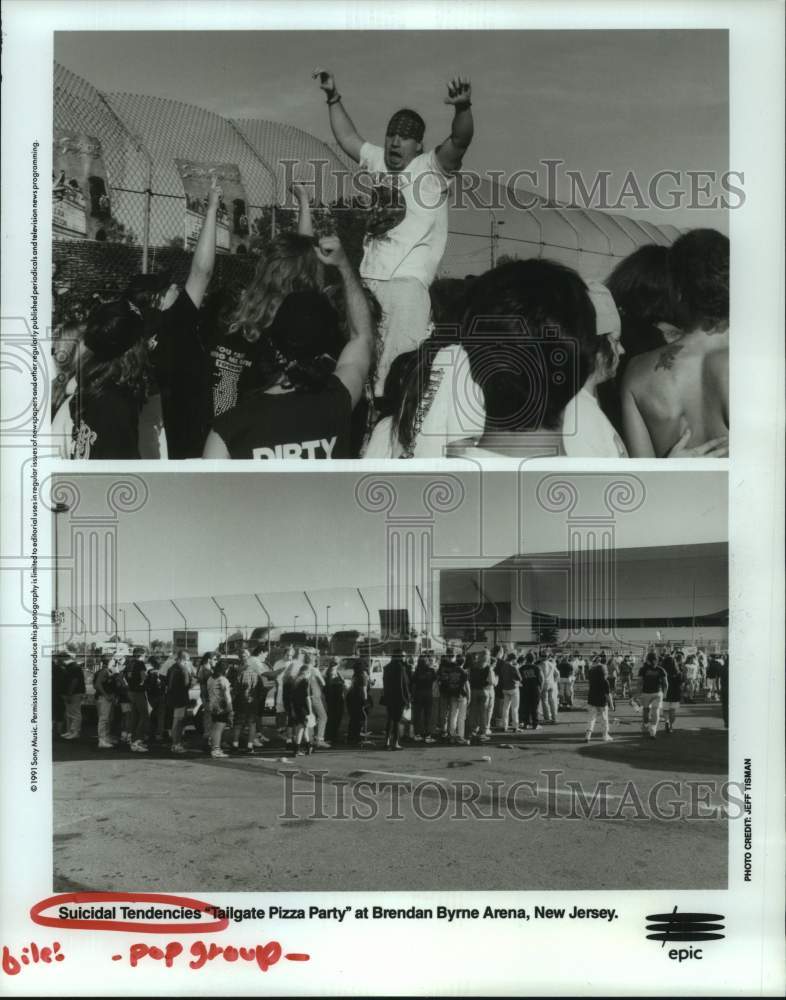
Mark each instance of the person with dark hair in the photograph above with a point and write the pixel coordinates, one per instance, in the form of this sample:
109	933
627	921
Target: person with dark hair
178	685
73	696
433	402
155	689
334	700
408	224
567	680
482	681
359	704
99	398
643	293
673	696
678	394
58	692
723	684
103	689
204	673
457	684
423	680
530	693
539	343
654	684
598	700
302	714
397	698
304	408
136	674
246	701
510	684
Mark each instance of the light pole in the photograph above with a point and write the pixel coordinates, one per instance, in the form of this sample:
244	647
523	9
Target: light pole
59	508
327	624
294	623
316	620
84	641
149	630
224	623
113	620
368	622
185	624
494	236
269	626
123	613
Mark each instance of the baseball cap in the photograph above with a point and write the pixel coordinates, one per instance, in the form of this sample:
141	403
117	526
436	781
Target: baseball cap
306	327
607	318
113	328
148	284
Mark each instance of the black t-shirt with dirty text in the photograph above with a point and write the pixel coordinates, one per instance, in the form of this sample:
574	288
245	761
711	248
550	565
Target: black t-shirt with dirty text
290	425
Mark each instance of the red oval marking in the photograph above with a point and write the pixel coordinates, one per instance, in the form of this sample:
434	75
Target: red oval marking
181	927
297	956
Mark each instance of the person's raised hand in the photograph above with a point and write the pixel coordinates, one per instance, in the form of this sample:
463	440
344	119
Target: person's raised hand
214	194
300	191
459	91
326	80
330	251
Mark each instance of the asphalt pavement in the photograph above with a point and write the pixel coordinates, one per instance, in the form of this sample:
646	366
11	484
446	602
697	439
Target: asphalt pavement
515	814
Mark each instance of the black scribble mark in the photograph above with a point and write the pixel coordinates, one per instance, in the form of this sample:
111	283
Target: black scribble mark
667	356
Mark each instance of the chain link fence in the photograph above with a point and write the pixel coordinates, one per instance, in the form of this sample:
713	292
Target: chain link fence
118	183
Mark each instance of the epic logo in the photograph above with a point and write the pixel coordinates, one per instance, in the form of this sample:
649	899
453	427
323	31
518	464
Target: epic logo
689	927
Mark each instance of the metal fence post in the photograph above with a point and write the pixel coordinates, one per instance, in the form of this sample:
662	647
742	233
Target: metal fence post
146	214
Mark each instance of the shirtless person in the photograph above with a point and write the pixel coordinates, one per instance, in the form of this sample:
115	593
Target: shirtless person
678	395
408	231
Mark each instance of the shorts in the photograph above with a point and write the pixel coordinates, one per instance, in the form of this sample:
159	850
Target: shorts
671	705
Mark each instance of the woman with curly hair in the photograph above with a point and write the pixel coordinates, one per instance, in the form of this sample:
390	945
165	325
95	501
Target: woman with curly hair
311	382
240	350
102	386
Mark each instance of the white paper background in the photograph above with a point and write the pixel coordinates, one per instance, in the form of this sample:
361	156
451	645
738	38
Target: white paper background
407	957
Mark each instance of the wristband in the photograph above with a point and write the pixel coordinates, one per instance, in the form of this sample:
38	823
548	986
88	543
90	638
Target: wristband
463	106
336	97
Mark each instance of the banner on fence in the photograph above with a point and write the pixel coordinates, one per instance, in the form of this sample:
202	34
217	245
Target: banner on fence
81	206
232	224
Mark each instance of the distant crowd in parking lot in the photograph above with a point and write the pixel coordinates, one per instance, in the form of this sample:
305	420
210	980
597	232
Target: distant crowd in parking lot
241	704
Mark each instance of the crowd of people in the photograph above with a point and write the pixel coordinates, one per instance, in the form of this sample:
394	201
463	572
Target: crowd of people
457	698
317	359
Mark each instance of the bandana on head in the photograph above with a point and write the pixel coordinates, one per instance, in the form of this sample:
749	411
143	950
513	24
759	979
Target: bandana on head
407	124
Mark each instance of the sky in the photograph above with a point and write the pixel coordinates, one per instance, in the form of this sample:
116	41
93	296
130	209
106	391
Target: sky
619	101
279	534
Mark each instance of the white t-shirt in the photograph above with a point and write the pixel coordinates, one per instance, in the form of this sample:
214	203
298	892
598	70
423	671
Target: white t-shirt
413	248
454	409
587	432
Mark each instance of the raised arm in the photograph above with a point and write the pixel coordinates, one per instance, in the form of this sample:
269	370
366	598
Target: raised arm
205	251
344	131
305	225
355	360
451	152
